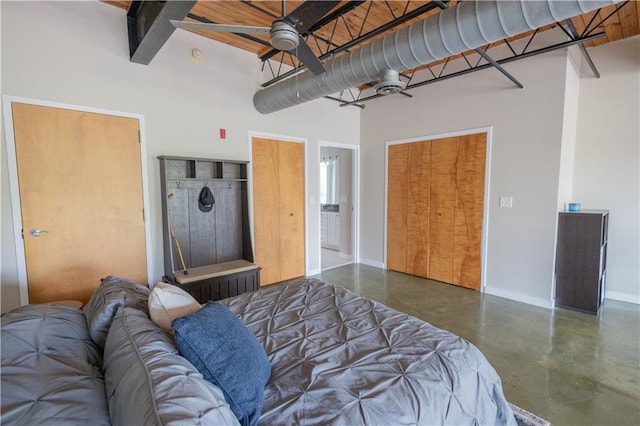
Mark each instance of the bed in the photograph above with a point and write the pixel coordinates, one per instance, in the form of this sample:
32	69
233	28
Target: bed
338	358
334	358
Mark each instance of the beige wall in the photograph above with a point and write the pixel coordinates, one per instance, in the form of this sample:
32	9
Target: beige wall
77	53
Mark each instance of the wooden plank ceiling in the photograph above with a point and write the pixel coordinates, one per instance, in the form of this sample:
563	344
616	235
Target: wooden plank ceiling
616	22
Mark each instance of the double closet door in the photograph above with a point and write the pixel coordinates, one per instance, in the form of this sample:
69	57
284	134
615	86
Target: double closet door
435	208
278	204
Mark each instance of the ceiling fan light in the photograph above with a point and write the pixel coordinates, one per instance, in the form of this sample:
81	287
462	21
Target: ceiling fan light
284	36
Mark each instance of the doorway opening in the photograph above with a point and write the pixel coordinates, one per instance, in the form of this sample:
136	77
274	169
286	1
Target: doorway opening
338	205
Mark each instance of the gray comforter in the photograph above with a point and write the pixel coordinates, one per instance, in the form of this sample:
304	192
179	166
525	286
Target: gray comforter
338	358
51	369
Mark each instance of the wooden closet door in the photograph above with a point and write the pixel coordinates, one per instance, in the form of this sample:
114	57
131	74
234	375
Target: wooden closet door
397	181
278	200
266	207
408	208
435	207
444	154
418	207
291	183
469	208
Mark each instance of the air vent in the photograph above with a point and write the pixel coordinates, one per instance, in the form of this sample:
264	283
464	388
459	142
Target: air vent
390	83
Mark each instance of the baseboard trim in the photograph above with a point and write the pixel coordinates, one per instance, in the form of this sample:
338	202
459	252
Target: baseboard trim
518	297
373	263
314	272
622	297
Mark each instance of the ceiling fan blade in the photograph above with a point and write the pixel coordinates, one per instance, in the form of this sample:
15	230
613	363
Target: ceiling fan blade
310	12
243	29
308	57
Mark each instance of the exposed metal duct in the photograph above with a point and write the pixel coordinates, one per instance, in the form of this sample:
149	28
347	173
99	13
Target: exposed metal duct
466	26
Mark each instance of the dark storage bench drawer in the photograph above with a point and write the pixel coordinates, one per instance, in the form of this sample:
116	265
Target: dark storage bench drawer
219	281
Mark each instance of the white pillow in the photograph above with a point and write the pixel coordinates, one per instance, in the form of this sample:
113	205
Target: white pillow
168	302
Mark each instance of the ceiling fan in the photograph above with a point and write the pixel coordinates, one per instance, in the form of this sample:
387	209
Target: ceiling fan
284	32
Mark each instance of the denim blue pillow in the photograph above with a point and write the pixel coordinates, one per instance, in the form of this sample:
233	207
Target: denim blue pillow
228	355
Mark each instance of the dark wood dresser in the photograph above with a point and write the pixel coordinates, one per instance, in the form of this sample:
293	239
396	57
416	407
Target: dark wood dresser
581	260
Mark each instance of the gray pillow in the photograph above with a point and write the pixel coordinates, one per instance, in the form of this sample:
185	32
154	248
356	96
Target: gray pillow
148	383
112	293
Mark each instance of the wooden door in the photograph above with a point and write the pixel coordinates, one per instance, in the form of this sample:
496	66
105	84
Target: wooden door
418	224
442	210
291	183
278	205
408	208
397	194
435	208
80	182
469	210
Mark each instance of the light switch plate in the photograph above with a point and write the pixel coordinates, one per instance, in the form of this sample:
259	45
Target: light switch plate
506	202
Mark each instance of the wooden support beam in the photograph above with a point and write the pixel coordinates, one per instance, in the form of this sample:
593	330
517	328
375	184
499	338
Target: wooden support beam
149	26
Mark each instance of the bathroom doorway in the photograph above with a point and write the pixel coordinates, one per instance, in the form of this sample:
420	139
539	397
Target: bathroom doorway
338	205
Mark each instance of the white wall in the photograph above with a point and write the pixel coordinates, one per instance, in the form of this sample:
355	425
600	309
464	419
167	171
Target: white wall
347	204
569	129
607	164
77	53
560	139
525	163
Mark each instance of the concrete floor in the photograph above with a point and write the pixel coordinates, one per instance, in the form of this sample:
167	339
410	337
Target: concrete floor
567	367
332	258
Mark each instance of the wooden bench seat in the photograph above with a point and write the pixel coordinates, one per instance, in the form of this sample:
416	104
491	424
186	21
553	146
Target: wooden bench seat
218	281
213	271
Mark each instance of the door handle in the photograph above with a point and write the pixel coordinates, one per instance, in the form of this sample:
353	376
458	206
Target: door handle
37	232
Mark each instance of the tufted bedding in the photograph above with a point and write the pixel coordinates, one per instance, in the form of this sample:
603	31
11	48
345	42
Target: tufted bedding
51	369
105	364
335	358
338	358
